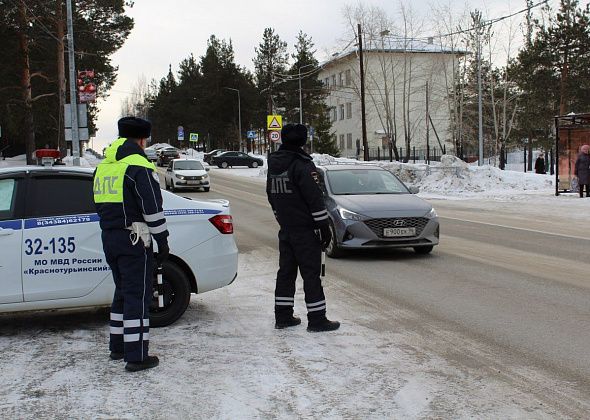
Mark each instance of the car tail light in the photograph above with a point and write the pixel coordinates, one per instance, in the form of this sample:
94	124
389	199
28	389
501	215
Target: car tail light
223	223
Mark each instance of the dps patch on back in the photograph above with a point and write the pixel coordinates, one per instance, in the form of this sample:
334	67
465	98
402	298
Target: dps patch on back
279	184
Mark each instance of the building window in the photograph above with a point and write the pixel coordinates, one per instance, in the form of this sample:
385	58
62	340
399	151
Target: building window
348	78
341	141
333	80
334	114
327	82
342	111
349	141
340	79
349	110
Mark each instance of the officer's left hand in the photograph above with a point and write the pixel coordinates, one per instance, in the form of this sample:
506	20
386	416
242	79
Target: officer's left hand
163	254
326	236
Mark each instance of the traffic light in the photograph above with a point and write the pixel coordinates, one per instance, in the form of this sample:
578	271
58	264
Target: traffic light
86	86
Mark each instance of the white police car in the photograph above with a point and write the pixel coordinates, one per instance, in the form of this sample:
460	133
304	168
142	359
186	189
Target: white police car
51	254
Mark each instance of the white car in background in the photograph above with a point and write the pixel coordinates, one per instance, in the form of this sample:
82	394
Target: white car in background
52	256
186	173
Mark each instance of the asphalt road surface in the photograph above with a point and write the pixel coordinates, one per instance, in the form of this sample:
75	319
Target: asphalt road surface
502	291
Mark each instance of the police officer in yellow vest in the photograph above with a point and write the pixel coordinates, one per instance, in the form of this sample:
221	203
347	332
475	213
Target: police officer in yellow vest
129	204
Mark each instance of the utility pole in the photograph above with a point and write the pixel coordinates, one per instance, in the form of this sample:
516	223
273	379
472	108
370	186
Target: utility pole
73	94
301	95
479	89
427	124
363	114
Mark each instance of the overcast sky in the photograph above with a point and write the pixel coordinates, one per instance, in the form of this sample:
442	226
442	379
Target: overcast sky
167	32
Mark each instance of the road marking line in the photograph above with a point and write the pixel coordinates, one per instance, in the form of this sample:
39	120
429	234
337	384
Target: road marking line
515	228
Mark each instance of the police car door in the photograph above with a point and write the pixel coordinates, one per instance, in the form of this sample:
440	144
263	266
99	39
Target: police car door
11	193
62	247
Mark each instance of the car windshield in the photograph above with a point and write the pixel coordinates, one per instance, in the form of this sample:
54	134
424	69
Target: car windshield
185	165
364	181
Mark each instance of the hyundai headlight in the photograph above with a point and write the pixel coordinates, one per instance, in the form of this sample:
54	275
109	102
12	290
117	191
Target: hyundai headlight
179	177
431	214
205	176
349	215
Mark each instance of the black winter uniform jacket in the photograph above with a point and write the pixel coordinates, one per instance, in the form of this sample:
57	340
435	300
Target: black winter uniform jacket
142	199
293	191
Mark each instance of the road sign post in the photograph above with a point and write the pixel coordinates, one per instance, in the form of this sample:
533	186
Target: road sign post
180	133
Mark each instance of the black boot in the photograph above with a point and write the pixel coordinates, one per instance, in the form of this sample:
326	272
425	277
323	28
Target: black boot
116	356
322	324
150	362
287	322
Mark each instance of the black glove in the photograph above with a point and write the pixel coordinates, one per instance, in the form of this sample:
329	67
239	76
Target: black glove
163	253
325	236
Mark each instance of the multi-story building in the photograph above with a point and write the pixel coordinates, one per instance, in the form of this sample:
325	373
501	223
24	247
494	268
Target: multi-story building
396	79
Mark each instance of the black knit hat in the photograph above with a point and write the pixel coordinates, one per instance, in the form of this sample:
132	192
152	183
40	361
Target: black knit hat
134	128
294	134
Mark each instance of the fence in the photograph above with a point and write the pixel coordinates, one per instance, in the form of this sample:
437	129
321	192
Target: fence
415	155
515	159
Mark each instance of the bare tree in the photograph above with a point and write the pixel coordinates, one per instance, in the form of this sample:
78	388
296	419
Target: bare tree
137	103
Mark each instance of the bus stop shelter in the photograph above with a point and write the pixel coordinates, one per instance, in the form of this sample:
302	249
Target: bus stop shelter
571	132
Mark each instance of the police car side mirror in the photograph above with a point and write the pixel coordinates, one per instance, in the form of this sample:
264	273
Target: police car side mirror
414	190
207	169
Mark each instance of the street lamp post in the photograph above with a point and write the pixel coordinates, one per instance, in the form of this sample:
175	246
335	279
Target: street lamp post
300	94
239	112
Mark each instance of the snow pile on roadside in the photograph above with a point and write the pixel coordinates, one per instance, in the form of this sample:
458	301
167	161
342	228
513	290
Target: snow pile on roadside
20	160
92	160
453	176
84	163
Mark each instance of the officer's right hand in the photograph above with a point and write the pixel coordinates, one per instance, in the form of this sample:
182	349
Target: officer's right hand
326	236
163	253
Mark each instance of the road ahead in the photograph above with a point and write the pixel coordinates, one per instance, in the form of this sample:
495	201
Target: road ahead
514	290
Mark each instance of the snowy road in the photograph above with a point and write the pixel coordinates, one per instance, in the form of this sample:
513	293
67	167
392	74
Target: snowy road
493	324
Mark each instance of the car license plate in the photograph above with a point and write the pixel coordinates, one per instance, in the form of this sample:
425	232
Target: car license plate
398	232
193	182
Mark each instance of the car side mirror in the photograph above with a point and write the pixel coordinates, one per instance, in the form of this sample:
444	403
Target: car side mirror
207	169
414	190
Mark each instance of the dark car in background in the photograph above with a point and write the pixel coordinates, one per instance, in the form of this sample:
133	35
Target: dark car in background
369	207
167	155
207	156
227	159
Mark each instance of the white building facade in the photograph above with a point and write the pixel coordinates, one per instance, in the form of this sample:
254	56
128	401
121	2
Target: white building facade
396	81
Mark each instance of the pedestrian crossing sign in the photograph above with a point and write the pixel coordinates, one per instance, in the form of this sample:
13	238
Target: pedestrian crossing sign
274	122
194	137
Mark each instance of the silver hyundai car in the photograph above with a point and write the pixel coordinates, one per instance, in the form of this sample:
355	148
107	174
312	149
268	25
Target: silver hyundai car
369	207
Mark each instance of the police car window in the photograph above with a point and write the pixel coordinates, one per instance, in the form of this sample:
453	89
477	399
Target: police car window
60	195
7	198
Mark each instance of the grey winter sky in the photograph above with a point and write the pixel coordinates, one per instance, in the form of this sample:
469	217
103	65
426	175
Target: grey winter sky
167	32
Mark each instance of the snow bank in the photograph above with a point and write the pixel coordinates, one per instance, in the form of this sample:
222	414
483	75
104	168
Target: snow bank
20	160
452	176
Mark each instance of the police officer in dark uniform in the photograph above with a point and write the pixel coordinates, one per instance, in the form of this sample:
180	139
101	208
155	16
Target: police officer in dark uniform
298	204
129	203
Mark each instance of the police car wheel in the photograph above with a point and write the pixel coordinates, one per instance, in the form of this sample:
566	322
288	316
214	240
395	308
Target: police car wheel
224	165
177	295
333	250
206	189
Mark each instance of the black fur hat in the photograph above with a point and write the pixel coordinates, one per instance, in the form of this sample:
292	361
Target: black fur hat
134	128
294	134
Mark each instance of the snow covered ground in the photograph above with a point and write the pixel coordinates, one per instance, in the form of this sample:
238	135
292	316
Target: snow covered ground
224	359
